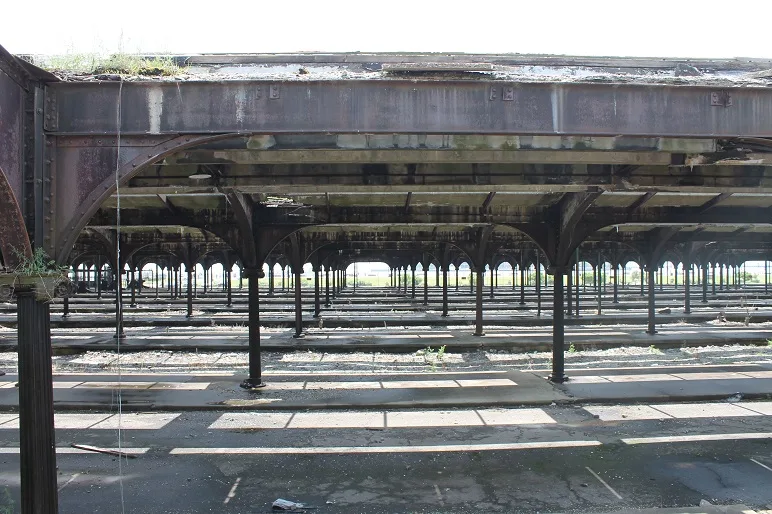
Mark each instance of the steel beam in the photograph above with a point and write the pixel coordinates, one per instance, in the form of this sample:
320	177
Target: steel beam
412	106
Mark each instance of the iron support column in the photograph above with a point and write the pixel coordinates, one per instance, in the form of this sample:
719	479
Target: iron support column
478	330
538	286
118	306
36	407
133	285
491	293
687	286
652	329
99	278
229	287
412	290
569	292
445	292
327	286
616	283
255	367
317	301
298	304
558	375
189	270
426	286
704	284
522	285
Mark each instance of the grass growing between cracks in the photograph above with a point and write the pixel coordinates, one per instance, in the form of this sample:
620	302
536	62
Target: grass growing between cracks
115	64
433	357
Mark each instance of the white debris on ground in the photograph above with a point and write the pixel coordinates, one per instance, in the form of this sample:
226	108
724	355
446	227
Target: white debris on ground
382	362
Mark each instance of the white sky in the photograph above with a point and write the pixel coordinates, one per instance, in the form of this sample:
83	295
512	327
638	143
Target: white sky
662	28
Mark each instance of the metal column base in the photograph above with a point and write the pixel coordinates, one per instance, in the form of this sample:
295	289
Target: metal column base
252	383
558	379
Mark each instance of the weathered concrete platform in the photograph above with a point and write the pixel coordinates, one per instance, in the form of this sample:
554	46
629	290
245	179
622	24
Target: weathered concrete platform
408	339
440	390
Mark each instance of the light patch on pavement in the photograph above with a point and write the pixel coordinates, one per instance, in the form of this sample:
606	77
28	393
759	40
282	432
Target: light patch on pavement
241	420
417	418
588	380
696	438
760	407
138	421
7	385
6	450
181	386
653	377
337	420
490	382
710	376
384	449
515	416
390	384
381	419
116	385
7	418
758	374
419	384
78	421
704	410
343	385
626	412
64	384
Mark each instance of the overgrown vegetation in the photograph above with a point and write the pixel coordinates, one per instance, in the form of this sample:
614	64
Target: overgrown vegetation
39	264
115	64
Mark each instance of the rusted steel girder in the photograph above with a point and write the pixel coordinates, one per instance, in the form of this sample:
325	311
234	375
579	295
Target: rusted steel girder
86	178
412	106
14	240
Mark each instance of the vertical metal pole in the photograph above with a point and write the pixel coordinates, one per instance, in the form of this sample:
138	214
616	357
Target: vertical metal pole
298	303
436	276
704	283
66	306
426	284
456	278
766	277
514	282
445	291
652	329
189	270
99	278
600	267
229	286
271	278
570	291
538	285
255	368
491	285
577	282
522	284
36	407
334	283
616	283
317	301
713	278
399	280
156	282
687	285
412	293
558	330
327	286
478	330
133	285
